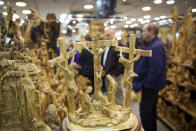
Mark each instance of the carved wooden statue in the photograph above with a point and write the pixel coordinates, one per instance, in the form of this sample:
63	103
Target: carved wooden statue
99	112
129	65
70	81
113	86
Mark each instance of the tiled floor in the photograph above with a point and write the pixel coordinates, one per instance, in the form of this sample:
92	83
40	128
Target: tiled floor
135	110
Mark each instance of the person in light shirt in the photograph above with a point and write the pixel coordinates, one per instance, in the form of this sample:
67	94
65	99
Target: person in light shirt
111	65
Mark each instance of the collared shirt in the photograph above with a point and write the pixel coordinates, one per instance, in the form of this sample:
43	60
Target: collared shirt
105	55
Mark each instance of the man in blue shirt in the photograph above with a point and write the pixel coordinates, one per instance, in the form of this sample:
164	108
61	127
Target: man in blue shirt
151	76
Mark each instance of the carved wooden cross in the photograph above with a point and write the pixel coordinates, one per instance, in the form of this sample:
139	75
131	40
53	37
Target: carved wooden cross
70	81
63	54
97	48
129	65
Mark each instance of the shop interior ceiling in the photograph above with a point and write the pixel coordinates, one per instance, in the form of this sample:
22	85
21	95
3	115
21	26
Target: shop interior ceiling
124	8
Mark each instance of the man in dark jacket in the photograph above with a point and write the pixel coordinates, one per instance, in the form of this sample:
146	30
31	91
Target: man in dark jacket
151	76
112	66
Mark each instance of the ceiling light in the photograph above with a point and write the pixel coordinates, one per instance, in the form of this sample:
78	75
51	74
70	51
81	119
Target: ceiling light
194	10
79	19
105	24
69	26
126	26
162	17
26	12
124	0
169	2
74	22
125	18
131	26
5	13
143	22
170	20
136	24
147	21
21	4
73	30
140	19
64	31
22	21
146	8
133	19
1	2
147	17
157	1
156	18
88	7
79	15
113	27
128	22
15	16
111	21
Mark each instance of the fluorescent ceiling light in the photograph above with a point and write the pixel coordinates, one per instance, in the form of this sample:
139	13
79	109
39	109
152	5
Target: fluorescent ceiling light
128	22
69	26
1	2
157	1
131	26
136	24
113	27
146	8
194	10
140	19
125	18
169	2
143	22
111	21
147	17
126	26
63	18
162	17
88	7
15	16
147	21
5	13
133	19
79	19
79	15
21	21
156	18
26	12
64	31
21	4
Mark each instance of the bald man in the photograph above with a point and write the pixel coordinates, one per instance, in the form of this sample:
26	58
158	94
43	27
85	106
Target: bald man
151	76
111	65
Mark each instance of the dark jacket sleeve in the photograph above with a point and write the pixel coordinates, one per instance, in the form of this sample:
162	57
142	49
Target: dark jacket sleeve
118	68
155	64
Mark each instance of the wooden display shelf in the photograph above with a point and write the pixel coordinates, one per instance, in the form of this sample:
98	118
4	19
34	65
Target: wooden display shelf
166	122
186	65
192	87
191	111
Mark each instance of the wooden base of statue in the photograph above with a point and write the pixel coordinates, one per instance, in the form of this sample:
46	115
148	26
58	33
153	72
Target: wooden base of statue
132	124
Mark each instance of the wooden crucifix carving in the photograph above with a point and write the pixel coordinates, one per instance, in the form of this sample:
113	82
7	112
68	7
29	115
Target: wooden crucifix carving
96	47
62	62
129	65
